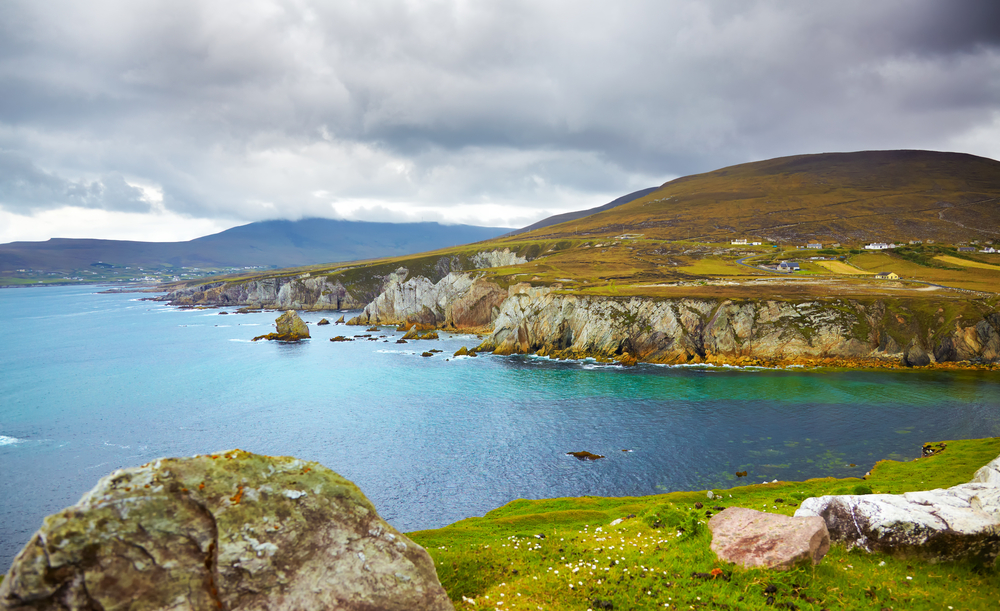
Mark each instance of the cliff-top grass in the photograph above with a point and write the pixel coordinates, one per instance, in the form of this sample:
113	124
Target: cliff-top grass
653	552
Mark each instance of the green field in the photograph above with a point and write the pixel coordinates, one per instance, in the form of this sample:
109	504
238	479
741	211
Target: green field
565	554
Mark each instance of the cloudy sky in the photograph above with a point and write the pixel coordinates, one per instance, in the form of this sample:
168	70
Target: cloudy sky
166	120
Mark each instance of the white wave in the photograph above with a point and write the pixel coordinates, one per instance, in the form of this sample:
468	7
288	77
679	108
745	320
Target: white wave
6	441
242	341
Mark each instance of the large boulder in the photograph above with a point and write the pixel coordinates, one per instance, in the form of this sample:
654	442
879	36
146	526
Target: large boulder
290	324
232	530
754	538
957	523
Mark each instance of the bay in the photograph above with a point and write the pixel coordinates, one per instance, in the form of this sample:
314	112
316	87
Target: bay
92	382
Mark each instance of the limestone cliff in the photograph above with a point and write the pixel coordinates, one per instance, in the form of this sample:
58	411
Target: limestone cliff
850	332
346	288
838	331
301	292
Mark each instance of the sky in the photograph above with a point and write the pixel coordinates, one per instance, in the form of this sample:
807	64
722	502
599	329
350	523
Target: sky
168	120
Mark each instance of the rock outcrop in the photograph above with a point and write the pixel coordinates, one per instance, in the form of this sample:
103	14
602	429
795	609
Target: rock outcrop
726	331
301	292
290	327
754	538
232	530
957	523
496	258
415	300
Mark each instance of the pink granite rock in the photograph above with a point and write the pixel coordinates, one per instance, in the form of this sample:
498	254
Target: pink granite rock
754	538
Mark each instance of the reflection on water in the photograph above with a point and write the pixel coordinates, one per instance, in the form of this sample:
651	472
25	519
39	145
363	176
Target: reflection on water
429	440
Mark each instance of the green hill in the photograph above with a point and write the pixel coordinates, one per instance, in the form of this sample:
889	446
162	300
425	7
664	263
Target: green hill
851	198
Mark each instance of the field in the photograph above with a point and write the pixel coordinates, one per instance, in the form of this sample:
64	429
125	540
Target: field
839	267
965	262
567	554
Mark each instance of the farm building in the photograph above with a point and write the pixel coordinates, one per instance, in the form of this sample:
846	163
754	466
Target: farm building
887	276
788	266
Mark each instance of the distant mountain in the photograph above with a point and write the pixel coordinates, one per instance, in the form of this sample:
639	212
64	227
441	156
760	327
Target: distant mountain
266	243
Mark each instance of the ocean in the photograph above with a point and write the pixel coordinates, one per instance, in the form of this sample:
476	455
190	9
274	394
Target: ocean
91	382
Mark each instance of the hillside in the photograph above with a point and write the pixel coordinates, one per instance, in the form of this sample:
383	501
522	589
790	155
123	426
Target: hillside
266	244
851	198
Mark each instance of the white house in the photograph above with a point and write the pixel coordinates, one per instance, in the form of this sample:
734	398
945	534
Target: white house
788	266
989	249
878	246
741	241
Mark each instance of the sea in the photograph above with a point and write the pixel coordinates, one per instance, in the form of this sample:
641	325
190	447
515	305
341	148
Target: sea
91	382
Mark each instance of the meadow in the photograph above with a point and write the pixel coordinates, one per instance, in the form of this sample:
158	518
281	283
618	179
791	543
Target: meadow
653	552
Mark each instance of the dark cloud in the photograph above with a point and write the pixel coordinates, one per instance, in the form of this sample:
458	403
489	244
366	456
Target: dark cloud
278	108
25	189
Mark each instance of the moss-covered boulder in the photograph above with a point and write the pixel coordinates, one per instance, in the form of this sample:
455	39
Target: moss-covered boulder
232	530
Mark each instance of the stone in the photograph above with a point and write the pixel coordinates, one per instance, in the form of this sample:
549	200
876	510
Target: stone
231	530
957	523
323	321
291	324
463	351
340	320
584	455
916	356
754	538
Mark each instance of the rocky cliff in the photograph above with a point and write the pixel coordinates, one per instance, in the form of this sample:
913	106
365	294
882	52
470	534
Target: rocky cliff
848	332
301	292
350	288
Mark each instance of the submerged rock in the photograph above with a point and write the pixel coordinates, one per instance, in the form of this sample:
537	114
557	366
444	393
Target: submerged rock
957	523
584	455
232	530
754	538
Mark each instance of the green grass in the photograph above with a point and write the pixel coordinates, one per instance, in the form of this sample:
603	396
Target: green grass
565	553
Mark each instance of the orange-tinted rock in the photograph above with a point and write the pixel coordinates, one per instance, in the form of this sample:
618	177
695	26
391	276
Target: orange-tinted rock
753	538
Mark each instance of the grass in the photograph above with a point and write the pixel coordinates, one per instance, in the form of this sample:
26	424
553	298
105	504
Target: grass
605	553
965	262
839	267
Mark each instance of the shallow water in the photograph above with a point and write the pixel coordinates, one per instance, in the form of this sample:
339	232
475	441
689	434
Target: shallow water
92	382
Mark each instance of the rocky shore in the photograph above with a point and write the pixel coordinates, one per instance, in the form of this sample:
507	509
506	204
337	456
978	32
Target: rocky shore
830	333
523	319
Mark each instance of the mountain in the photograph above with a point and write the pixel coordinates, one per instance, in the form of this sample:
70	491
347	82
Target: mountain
262	244
849	198
572	216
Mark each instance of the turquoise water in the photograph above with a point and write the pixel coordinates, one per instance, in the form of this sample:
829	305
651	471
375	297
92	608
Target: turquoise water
92	382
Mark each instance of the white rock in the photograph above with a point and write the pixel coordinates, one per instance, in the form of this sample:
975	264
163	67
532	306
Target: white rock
961	522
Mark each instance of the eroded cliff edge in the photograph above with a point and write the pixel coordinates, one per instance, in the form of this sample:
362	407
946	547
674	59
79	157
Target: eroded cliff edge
872	332
350	288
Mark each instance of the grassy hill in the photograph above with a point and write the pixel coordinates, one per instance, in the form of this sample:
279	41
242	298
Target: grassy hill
570	553
849	198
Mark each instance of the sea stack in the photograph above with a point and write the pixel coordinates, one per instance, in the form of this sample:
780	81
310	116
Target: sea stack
291	325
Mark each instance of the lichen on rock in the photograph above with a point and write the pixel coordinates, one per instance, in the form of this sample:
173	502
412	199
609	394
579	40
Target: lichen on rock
232	530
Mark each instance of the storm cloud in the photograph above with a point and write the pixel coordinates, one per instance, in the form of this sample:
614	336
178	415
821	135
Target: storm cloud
482	112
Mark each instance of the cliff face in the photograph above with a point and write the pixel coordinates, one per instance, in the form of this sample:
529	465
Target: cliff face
525	319
389	289
292	292
458	300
